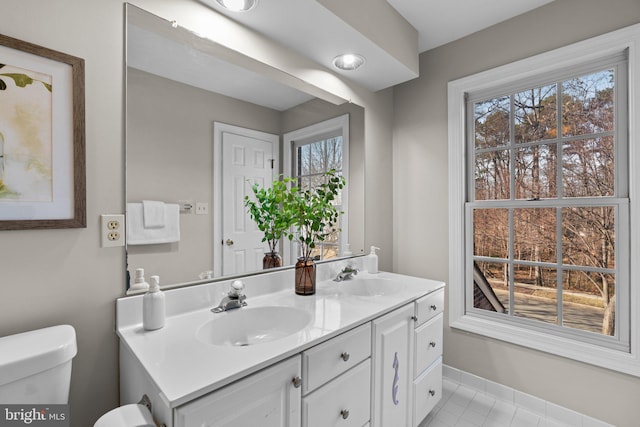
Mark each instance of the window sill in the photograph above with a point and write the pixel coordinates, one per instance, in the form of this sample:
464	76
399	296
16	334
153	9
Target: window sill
560	346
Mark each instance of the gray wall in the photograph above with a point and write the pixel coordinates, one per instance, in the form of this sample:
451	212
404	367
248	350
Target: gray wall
421	201
170	158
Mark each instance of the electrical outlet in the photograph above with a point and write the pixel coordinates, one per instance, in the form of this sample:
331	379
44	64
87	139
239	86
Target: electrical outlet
202	208
112	230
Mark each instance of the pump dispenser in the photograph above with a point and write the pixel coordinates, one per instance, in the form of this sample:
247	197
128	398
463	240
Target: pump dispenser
371	260
139	284
153	306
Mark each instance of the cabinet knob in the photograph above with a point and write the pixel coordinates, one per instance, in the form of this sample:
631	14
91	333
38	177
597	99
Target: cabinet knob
432	344
297	382
433	307
345	356
345	414
432	392
414	318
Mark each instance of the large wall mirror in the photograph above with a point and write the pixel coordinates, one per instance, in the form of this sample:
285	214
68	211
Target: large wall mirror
186	105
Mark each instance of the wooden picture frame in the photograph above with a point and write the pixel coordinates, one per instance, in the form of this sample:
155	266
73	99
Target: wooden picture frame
42	138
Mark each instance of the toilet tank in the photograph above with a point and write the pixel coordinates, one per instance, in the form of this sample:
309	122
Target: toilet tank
35	366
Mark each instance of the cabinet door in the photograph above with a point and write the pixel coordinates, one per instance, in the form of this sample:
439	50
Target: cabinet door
266	399
393	368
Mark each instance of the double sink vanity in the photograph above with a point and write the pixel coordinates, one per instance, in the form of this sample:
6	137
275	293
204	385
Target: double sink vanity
360	352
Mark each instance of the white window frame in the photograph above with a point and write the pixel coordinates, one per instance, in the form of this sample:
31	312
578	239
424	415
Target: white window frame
340	123
569	56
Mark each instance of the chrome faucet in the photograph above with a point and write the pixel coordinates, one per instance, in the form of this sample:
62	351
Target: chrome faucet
346	273
235	298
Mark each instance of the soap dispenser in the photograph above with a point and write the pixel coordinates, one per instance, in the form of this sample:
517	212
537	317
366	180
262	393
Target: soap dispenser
153	306
139	284
371	260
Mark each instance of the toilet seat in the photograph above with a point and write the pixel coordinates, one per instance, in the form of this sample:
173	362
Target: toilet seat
133	415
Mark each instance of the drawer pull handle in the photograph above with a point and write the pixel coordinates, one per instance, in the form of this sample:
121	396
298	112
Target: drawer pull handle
432	392
297	382
434	307
432	344
345	414
345	356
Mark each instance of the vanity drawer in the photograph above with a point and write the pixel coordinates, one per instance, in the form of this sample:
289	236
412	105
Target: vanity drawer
326	361
427	391
344	402
429	305
428	347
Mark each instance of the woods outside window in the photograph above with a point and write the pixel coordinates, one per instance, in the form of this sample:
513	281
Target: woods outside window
544	219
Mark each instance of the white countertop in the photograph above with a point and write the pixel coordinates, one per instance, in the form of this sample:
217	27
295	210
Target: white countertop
185	368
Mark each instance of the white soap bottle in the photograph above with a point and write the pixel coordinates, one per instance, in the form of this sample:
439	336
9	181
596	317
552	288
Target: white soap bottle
153	306
371	260
139	284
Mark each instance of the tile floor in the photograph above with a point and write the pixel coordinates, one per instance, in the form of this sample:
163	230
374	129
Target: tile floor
464	406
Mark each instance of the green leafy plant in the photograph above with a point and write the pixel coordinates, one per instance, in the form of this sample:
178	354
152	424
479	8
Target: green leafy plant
267	211
312	213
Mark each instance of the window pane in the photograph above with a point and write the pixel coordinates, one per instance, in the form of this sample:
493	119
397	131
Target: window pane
492	175
588	167
588	236
588	301
535	114
490	286
491	233
491	123
535	234
304	160
588	104
535	293
535	171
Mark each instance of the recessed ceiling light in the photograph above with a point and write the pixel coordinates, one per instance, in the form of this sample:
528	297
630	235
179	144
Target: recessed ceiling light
348	61
238	5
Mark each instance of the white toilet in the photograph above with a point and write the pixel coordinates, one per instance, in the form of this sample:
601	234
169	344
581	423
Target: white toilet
35	368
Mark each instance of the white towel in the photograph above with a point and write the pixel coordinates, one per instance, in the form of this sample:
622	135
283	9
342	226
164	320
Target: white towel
137	234
153	214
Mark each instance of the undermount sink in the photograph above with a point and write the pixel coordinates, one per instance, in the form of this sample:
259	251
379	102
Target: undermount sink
370	286
250	326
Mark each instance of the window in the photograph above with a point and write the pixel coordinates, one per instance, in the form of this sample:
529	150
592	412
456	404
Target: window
313	151
541	225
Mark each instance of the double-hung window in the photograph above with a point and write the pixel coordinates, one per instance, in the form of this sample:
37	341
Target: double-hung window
540	175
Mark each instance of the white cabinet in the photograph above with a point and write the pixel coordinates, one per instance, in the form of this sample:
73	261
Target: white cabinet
427	384
269	398
407	362
337	381
384	373
393	368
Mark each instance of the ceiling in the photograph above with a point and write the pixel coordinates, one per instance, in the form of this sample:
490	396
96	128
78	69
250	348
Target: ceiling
314	29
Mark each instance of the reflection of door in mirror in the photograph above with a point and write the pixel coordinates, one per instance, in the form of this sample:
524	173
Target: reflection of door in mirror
247	157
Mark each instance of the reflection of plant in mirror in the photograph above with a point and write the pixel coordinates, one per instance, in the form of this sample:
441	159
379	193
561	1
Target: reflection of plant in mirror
266	211
312	212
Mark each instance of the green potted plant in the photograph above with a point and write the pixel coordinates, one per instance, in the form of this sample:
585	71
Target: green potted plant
266	211
313	217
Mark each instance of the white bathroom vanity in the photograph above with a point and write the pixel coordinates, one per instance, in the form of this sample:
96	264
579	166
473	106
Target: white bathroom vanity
362	352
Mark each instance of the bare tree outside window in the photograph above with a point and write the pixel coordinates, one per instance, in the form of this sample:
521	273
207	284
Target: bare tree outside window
544	218
313	161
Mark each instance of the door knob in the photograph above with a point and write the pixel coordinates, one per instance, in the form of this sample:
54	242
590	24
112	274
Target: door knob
297	382
229	242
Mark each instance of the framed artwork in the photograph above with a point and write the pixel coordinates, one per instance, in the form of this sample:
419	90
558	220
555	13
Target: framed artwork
42	138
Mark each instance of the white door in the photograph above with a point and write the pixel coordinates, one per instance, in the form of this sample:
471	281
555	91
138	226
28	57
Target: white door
269	398
247	156
393	368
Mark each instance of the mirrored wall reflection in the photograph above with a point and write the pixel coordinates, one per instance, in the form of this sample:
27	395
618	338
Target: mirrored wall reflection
176	91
